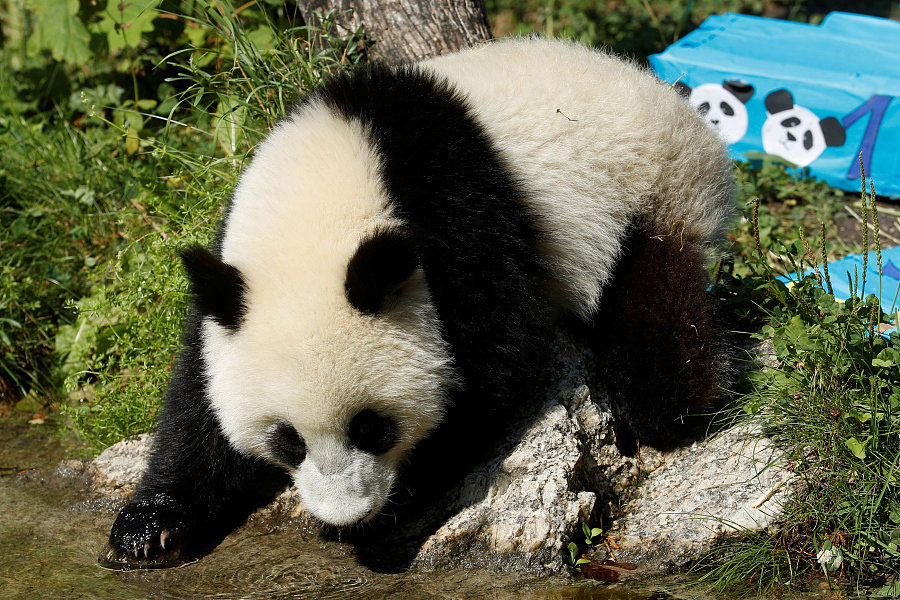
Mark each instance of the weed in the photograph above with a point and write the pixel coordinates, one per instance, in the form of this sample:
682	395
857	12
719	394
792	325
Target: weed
832	403
590	535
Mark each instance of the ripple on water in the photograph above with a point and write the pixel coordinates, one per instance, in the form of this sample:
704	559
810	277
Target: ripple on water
50	551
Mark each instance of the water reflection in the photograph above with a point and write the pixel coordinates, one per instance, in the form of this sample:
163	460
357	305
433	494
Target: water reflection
50	550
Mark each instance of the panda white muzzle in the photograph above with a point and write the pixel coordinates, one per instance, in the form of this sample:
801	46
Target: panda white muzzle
347	491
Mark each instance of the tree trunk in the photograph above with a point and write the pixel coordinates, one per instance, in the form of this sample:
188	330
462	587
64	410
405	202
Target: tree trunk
408	30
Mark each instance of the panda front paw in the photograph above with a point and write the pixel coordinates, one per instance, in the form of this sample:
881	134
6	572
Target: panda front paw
150	528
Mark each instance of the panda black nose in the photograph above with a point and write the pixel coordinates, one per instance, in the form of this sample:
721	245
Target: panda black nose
791	136
714	121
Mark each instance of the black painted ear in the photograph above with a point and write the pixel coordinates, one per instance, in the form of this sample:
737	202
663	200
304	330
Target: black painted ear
835	135
779	101
380	266
683	89
742	91
218	288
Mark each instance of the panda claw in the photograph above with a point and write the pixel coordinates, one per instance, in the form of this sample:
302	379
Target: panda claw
163	537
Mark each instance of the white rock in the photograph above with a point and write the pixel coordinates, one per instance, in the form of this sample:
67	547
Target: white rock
520	509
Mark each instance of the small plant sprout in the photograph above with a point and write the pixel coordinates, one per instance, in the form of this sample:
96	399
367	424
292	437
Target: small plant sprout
830	558
590	534
574	560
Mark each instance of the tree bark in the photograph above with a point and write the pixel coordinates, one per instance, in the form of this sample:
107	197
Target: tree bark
408	30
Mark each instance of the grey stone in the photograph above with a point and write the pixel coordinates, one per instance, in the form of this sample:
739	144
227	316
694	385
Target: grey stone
116	472
520	509
692	496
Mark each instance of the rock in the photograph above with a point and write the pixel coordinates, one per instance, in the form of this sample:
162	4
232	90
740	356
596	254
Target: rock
727	483
116	472
535	495
520	509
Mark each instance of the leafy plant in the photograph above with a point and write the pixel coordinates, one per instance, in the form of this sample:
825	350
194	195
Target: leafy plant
832	402
130	327
590	535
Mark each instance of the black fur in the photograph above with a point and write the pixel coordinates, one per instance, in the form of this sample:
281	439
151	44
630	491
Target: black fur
378	268
466	214
372	432
218	288
196	486
287	445
658	342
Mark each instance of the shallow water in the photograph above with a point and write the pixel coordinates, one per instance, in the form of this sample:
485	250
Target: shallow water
50	541
49	550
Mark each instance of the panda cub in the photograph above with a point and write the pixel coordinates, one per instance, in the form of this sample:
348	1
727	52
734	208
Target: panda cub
392	261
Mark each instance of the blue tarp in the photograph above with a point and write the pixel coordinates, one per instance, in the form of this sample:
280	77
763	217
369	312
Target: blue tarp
841	272
812	96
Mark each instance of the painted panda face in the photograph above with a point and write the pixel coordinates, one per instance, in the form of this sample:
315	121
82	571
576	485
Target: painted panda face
336	367
795	133
723	109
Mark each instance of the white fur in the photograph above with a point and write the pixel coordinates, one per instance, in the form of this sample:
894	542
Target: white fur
596	140
350	487
302	354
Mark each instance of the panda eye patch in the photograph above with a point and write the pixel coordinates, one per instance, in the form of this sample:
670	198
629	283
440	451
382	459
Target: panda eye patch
808	139
703	108
286	444
726	108
372	432
790	122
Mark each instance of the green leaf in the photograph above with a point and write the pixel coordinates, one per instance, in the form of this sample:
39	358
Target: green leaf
124	23
586	530
582	561
596	531
856	447
59	30
573	552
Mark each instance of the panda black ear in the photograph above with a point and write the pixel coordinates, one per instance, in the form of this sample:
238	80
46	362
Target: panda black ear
380	266
683	89
779	101
218	288
834	132
742	91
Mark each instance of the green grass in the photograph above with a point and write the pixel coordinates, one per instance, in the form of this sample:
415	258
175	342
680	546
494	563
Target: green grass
101	190
832	402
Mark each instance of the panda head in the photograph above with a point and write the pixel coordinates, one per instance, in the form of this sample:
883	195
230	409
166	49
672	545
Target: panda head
320	341
721	106
795	133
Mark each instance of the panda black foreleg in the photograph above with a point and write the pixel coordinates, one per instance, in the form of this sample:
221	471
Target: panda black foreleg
660	349
196	487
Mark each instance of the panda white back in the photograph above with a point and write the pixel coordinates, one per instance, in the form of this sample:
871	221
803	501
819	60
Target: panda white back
596	141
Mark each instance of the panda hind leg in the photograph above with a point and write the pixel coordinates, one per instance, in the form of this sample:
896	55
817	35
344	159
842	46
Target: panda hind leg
660	349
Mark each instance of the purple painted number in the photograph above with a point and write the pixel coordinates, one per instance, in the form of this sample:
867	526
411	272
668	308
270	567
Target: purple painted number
877	105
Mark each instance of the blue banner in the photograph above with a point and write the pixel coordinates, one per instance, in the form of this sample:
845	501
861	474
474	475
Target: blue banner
809	96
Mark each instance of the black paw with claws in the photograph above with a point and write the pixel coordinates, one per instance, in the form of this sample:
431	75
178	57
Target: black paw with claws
149	529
